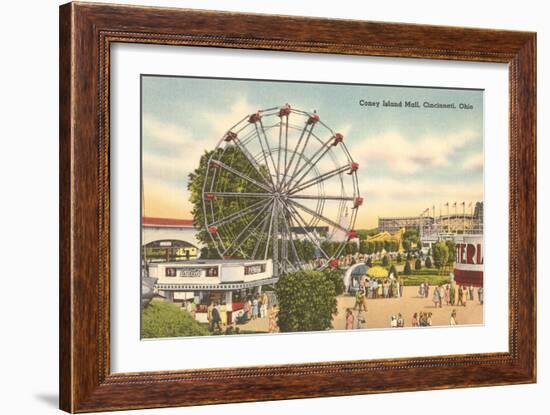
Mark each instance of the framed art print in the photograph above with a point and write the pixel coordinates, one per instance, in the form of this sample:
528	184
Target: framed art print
255	206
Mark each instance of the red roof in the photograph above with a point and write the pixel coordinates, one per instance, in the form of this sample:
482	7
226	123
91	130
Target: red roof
146	220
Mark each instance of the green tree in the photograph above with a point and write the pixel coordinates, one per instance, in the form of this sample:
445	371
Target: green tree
307	301
387	245
370	247
428	262
399	258
350	248
363	246
406	245
451	246
227	181
385	261
418	265
369	262
392	271
440	254
304	248
407	270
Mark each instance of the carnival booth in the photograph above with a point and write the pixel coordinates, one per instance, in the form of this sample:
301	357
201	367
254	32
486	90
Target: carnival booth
224	282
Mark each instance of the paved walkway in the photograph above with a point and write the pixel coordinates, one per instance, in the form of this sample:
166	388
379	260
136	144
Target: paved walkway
380	310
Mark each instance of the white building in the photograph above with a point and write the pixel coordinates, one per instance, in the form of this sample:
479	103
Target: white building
203	281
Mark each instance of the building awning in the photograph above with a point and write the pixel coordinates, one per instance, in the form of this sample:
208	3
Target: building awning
216	287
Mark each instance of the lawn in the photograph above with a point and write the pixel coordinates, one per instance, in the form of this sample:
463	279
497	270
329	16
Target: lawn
429	275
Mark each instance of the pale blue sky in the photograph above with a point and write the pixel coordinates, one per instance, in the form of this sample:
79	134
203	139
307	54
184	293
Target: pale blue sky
410	159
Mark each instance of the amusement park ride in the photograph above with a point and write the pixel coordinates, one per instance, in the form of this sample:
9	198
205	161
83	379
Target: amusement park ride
299	175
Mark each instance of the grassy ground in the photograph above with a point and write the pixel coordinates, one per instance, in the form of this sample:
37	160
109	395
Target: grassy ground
417	279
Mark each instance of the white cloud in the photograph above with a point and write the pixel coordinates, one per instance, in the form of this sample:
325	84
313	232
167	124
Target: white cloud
177	151
404	156
474	162
221	122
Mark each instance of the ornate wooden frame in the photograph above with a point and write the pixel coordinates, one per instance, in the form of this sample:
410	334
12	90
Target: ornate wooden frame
86	33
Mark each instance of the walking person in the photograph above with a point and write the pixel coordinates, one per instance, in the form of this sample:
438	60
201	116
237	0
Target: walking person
452	294
460	298
265	305
400	320
414	320
209	313
215	323
401	287
255	308
349	319
361	322
447	294
480	295
452	320
471	292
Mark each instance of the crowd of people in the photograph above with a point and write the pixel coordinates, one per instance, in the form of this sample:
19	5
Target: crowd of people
419	319
254	307
451	294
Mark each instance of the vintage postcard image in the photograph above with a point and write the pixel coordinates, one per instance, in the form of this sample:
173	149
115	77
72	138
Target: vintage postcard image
283	206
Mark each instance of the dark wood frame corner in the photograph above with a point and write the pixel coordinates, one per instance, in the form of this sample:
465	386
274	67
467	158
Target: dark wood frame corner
86	33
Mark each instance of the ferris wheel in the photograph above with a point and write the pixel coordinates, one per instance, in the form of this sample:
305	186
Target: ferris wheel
276	179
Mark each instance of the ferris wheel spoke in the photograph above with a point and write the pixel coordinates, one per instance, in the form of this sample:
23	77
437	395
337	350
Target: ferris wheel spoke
319	154
290	239
261	237
269	231
287	168
237	215
269	150
318	215
303	224
322	197
230	248
253	232
240	194
252	161
264	156
275	239
300	155
318	179
241	175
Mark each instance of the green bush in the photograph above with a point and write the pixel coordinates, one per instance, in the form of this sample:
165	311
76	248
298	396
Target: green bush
336	275
407	270
163	319
385	261
417	265
428	262
307	301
